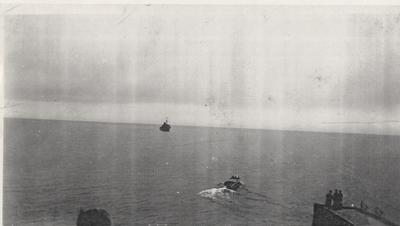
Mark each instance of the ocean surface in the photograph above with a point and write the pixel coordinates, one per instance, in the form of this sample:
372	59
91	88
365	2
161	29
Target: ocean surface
142	176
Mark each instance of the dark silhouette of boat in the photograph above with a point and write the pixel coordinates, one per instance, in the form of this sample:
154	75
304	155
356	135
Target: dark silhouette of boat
95	217
165	127
233	183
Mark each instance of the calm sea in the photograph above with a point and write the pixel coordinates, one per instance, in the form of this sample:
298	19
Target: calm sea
143	176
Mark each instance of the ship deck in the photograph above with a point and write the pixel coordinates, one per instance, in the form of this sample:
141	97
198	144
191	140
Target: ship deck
347	216
359	218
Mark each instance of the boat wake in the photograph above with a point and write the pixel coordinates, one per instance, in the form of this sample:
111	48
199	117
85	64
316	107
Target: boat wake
217	193
236	199
243	196
259	208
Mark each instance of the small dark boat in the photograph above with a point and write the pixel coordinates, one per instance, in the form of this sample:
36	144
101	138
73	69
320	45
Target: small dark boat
93	217
233	183
165	127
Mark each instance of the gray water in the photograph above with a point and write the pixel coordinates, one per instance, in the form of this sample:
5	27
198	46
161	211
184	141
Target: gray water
143	176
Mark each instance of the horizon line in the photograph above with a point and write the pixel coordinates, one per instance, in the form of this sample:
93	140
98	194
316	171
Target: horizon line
200	126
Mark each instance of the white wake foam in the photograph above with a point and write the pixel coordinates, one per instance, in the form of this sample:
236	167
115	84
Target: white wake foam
215	193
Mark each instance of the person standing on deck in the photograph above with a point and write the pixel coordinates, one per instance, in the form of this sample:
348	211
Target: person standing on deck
328	200
336	199
340	198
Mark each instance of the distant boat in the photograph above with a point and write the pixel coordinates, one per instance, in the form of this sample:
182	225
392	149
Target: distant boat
165	127
233	183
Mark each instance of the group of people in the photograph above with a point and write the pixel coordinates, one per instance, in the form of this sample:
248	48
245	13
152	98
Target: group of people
334	200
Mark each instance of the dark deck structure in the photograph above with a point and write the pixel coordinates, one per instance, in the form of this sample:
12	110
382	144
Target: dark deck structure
347	216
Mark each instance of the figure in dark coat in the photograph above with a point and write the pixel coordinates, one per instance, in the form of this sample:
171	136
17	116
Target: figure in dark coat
340	199
336	199
328	200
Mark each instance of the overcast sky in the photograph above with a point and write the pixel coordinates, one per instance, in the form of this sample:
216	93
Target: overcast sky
308	68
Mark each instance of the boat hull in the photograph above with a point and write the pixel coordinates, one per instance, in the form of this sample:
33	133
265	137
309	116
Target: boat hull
232	185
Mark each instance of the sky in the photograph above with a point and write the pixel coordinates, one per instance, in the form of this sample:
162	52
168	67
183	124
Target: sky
273	67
